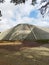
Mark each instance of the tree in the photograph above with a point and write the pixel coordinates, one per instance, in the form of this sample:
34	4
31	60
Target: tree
0	14
1	1
17	1
43	8
22	1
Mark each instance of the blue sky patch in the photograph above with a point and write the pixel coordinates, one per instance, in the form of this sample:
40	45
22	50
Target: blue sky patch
14	19
33	14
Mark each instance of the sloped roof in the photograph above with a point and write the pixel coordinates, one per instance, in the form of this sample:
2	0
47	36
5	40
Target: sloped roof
25	32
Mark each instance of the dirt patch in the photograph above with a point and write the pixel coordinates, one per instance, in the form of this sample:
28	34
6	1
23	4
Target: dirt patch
31	44
27	53
16	46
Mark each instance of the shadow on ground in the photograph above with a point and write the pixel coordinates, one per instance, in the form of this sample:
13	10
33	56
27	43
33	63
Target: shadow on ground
13	47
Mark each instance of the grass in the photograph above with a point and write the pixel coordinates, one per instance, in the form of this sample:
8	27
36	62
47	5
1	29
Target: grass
25	56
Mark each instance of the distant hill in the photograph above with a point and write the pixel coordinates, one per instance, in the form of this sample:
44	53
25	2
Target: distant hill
25	32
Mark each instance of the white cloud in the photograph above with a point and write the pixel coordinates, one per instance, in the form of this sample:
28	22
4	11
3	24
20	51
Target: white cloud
41	23
13	15
24	20
3	25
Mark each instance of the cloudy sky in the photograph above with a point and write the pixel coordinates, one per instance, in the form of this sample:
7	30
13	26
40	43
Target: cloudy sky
21	13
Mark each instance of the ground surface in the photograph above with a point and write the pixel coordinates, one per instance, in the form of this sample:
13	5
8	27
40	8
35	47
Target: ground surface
25	53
